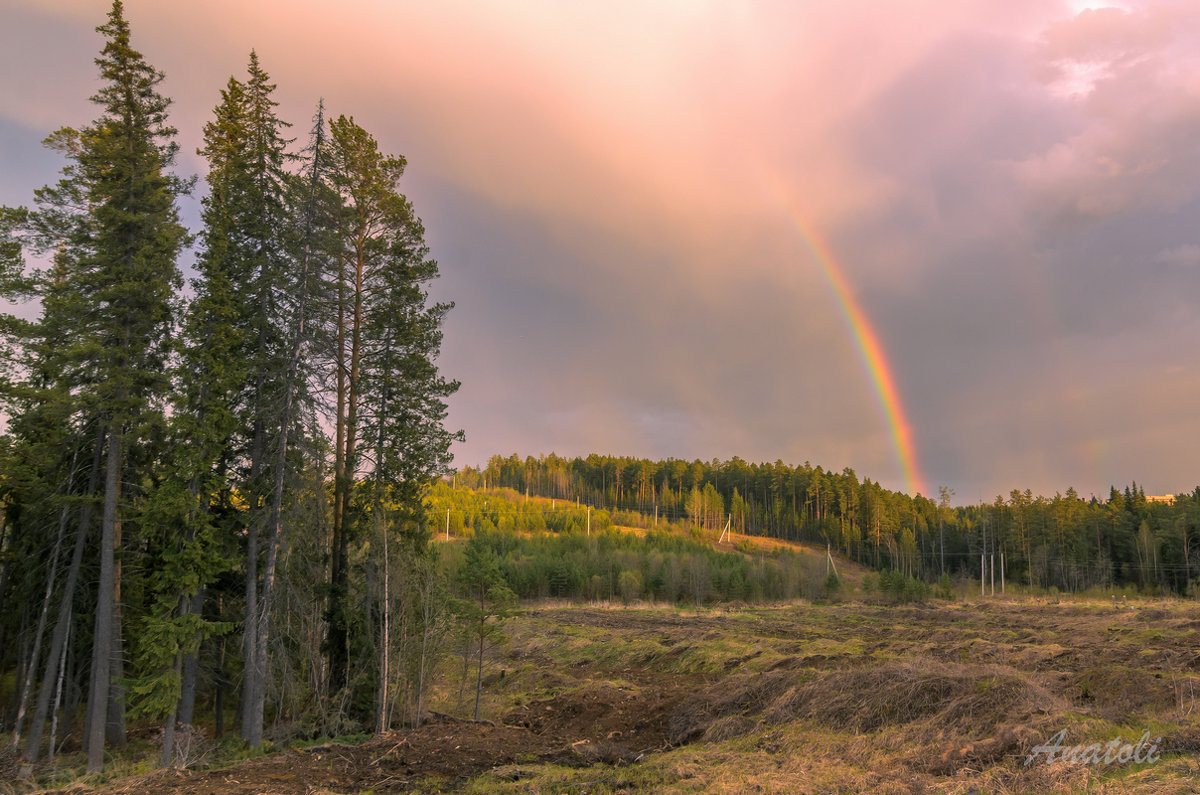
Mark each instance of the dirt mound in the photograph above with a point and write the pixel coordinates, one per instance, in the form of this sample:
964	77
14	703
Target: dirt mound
967	700
743	695
727	728
637	719
600	723
443	747
1010	741
1118	691
972	699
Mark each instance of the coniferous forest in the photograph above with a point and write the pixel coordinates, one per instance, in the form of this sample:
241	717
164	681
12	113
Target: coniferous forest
1064	542
188	466
220	484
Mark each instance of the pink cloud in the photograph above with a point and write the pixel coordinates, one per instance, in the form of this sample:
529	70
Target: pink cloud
1133	81
623	155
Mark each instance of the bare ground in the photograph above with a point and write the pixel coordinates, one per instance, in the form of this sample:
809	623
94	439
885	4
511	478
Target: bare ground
845	697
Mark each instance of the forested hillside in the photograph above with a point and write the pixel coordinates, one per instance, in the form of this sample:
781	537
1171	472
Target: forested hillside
1064	541
560	549
184	470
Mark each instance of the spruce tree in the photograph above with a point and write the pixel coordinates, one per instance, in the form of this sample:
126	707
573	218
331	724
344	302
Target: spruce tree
129	278
49	392
309	200
191	505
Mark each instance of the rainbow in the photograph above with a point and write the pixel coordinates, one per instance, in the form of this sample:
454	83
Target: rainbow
870	349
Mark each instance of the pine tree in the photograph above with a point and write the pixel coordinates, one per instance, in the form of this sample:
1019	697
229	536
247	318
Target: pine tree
487	602
404	393
390	398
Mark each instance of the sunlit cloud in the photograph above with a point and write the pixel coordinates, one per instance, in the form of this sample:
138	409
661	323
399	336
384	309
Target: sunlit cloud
1010	189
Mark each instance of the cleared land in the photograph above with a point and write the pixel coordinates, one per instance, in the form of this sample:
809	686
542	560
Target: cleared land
802	698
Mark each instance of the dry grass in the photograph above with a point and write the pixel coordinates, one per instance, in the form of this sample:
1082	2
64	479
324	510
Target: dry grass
845	698
980	713
10	765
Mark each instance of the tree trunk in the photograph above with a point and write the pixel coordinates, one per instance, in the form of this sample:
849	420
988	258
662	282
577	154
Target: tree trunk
385	641
114	729
249	666
336	642
251	685
105	600
479	672
58	688
22	660
168	745
191	666
74	689
4	571
262	636
39	634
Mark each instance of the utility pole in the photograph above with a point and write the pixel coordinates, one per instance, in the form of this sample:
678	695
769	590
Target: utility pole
942	537
447	524
944	495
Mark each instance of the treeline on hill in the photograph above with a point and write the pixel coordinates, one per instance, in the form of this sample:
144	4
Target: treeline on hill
216	501
566	550
1063	542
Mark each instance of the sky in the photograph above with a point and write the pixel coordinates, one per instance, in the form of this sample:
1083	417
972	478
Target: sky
951	242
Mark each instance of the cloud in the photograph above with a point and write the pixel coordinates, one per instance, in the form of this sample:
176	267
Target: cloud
614	189
1185	256
1133	77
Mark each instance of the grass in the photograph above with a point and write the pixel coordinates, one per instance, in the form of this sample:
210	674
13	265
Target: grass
946	700
840	697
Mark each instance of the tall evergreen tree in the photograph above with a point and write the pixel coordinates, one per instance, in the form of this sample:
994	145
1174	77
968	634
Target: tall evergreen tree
130	278
238	355
390	399
309	200
49	392
240	454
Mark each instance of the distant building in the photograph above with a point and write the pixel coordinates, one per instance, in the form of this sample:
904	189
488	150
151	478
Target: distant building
1167	498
